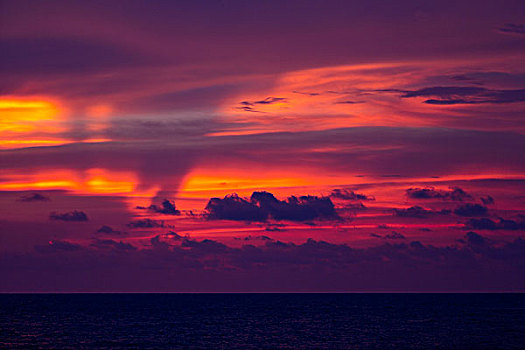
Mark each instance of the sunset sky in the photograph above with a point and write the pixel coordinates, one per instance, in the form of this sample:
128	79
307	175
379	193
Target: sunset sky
233	146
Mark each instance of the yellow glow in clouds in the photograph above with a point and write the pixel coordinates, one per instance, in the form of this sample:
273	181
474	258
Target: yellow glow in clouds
19	115
29	122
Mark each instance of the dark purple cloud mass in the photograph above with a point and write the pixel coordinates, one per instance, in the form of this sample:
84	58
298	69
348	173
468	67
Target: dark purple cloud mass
418	212
469	209
263	206
511	28
167	207
34	197
474	263
349	195
455	194
74	215
392	235
108	230
487	200
113	245
449	95
501	224
146	223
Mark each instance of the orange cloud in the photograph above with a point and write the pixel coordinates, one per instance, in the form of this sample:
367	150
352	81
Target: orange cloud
342	96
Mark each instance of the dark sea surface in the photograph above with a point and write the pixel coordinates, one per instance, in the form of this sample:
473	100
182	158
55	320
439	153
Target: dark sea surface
262	321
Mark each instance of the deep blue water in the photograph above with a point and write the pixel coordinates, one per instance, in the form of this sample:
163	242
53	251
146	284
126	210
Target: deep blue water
262	321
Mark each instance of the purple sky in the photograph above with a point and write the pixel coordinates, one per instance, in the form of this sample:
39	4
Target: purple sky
371	146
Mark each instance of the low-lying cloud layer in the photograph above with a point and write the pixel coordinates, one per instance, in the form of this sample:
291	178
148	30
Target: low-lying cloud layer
473	263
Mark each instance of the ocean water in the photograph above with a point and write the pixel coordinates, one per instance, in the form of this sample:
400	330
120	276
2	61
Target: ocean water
262	321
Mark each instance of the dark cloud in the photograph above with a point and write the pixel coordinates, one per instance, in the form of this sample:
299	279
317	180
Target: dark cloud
473	263
74	215
347	102
473	238
263	206
146	223
455	194
233	207
205	247
167	207
249	106
417	212
57	245
448	95
275	228
105	229
35	197
501	224
255	238
511	28
412	212
355	206
487	200
392	235
248	109
306	93
266	101
445	91
349	195
109	231
516	80
469	209
111	244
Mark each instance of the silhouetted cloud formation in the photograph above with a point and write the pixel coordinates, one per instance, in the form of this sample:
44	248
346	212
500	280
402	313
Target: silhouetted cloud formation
249	106
109	231
58	245
266	101
511	28
111	244
469	209
472	260
501	224
418	212
487	200
350	195
455	194
167	207
263	206
449	95
392	235
34	197
146	223
74	215
254	238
